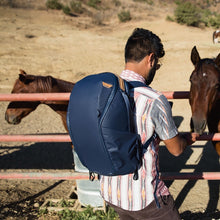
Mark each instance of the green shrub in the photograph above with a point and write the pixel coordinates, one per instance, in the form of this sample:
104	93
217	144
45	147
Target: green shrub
124	16
187	13
169	18
94	3
215	21
205	16
66	10
150	2
76	6
54	4
191	15
88	213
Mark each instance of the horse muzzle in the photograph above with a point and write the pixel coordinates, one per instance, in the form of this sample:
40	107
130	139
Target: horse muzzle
198	125
11	119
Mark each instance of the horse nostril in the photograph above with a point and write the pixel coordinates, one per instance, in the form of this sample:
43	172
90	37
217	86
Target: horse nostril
7	118
203	125
191	125
199	132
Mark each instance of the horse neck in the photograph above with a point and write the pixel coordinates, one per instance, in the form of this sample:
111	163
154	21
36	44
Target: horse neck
213	118
62	86
52	85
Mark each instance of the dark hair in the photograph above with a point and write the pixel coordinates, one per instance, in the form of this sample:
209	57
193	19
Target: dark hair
141	43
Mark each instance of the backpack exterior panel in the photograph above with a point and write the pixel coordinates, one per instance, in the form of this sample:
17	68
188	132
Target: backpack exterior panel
99	122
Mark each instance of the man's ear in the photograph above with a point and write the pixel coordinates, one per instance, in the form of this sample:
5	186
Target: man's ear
151	59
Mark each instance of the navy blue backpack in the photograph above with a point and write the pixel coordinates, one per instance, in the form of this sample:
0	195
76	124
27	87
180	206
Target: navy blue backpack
101	125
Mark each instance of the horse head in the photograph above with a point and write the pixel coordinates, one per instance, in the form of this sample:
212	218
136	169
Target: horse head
18	110
37	84
204	90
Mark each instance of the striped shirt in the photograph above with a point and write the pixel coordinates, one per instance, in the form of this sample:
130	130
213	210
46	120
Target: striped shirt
152	115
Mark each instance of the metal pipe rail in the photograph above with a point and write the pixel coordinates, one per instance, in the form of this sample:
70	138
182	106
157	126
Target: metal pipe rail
44	175
190	176
65	96
35	138
19	97
71	175
66	138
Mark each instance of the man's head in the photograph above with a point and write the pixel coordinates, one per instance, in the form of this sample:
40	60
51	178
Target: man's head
144	43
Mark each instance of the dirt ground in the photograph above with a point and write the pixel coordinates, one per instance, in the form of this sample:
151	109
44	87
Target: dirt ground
44	43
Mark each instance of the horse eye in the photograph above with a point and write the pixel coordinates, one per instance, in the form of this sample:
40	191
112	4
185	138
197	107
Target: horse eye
217	86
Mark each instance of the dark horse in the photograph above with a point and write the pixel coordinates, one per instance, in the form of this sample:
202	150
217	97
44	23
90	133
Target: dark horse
37	84
204	95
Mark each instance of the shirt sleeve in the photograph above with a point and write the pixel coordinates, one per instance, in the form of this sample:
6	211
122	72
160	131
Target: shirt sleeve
162	119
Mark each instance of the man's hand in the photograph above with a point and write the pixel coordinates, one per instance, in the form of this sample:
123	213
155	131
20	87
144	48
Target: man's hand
177	144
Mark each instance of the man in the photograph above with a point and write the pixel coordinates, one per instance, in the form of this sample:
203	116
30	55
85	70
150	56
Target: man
147	197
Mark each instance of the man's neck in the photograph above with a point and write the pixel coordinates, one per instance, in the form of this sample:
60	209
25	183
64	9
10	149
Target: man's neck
135	67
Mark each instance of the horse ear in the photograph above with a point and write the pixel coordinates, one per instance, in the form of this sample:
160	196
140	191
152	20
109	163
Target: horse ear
23	77
23	72
195	58
217	60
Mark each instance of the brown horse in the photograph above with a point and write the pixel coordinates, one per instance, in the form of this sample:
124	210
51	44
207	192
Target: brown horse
216	36
37	84
204	95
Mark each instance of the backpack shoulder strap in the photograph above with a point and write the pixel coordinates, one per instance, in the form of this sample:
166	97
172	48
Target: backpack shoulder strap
126	85
145	146
134	84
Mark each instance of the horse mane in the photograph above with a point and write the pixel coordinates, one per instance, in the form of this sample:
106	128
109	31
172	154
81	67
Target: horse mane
206	61
211	61
47	83
44	83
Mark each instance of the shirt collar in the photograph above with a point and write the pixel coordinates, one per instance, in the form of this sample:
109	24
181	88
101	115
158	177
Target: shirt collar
132	76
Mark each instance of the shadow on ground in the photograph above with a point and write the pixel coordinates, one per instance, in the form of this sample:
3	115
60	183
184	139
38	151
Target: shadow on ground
208	162
37	156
